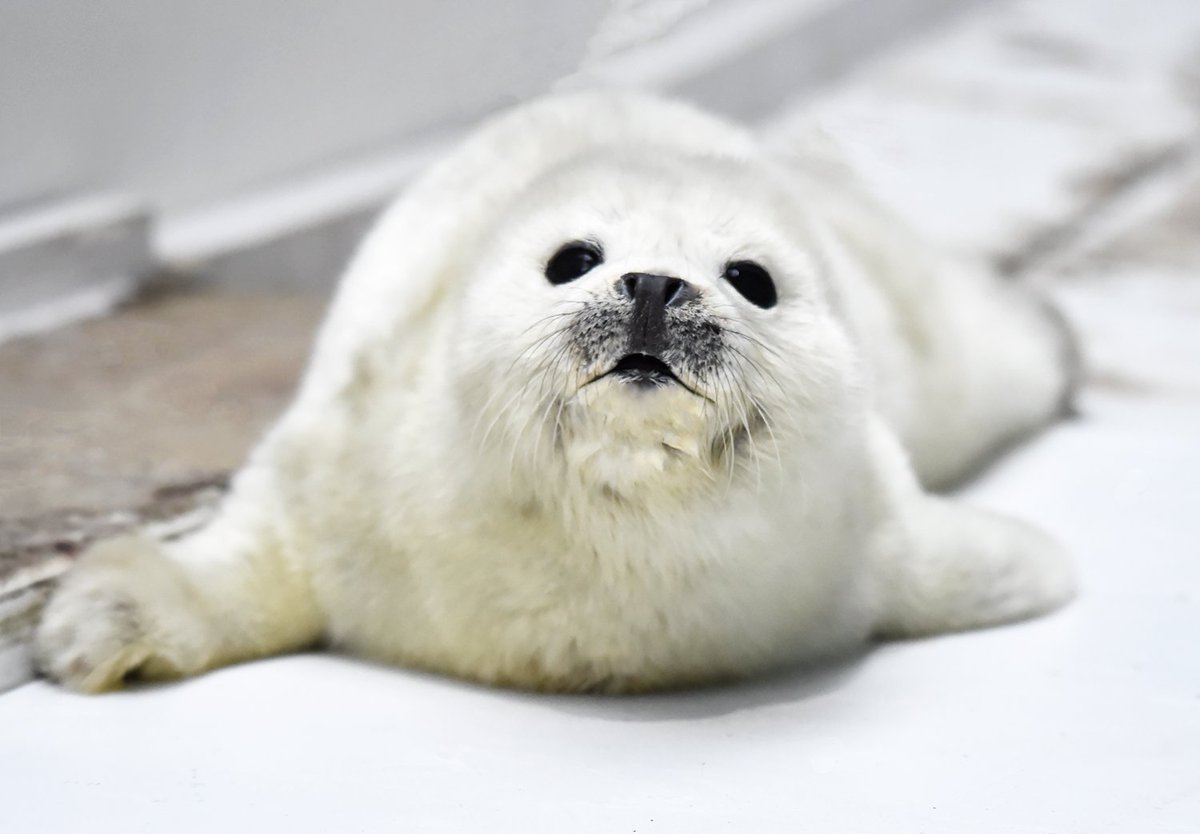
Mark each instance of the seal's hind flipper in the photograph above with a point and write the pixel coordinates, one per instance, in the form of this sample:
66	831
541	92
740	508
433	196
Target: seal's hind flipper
952	567
940	566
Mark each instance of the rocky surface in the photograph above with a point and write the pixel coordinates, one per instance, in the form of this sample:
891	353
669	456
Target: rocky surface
138	417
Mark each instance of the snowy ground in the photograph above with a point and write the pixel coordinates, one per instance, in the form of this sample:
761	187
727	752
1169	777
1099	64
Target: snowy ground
1081	723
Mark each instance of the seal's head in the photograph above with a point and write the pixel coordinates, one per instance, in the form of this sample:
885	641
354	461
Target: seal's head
642	321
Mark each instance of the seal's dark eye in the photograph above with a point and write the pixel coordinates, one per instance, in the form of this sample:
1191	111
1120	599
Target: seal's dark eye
572	261
753	282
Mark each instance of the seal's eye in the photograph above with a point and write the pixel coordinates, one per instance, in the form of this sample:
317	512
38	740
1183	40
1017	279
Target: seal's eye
572	261
753	282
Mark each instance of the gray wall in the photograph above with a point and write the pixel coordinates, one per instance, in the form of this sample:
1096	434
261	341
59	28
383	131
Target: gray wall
183	101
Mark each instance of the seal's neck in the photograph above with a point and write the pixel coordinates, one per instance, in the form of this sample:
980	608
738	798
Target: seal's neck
612	448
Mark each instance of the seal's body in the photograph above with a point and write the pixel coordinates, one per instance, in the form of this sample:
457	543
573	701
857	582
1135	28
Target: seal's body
614	398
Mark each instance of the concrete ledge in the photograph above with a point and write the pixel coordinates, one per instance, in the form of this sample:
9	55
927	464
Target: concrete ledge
18	615
19	611
69	260
297	234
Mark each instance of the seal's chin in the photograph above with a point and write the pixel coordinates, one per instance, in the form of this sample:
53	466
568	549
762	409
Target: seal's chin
643	371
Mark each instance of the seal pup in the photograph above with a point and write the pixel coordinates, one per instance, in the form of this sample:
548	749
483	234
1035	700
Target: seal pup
614	398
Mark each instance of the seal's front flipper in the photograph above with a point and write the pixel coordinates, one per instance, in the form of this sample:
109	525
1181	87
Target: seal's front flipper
136	607
942	566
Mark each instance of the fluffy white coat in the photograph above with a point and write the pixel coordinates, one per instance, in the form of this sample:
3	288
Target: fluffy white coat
454	489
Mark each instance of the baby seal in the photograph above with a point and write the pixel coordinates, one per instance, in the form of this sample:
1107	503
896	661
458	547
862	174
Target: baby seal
614	399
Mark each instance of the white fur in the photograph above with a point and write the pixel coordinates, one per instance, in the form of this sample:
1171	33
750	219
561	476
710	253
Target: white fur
447	493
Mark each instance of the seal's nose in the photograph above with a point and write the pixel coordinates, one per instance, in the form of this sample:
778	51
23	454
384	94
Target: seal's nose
655	290
651	296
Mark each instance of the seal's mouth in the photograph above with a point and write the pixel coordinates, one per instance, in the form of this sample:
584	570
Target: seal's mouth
643	370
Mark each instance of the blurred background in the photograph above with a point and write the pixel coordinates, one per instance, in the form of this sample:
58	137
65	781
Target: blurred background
182	182
231	123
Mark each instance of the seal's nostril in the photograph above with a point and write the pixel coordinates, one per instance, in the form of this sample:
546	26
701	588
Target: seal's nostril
655	289
627	285
680	292
672	289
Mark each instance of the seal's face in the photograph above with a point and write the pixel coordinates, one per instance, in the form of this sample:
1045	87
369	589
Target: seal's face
644	317
650	330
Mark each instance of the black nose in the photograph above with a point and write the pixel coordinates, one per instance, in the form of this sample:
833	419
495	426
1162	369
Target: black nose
655	290
651	296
